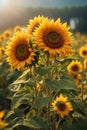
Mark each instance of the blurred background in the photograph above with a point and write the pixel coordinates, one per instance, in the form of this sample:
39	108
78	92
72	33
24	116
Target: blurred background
18	12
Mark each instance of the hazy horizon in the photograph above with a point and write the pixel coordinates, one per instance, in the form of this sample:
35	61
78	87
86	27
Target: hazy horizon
14	9
43	3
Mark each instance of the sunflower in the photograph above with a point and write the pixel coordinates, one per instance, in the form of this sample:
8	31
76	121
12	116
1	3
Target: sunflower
1	53
78	34
62	106
83	37
17	28
19	54
74	67
83	51
79	85
85	63
54	37
7	33
77	77
34	23
2	38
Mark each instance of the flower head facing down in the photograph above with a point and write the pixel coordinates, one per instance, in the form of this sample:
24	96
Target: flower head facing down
54	37
62	106
74	67
19	54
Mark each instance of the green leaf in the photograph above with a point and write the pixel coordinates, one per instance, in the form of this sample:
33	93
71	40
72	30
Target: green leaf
64	83
23	75
18	100
22	81
36	122
14	123
29	82
11	115
80	124
72	58
13	75
42	101
43	70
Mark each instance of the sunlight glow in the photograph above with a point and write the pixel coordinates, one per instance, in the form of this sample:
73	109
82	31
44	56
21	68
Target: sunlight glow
6	5
2	2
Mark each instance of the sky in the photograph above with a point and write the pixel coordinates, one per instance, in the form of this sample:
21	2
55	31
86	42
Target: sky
43	3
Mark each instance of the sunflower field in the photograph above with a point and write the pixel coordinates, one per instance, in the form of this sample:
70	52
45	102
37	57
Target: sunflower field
43	76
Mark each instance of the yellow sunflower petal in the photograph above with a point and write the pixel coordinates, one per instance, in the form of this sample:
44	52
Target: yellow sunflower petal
19	52
62	106
53	37
74	67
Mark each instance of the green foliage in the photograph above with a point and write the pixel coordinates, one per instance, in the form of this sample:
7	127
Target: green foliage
42	101
36	93
66	82
36	122
78	124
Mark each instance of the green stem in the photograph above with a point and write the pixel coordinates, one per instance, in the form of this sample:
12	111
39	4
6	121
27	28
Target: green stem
58	123
54	122
82	92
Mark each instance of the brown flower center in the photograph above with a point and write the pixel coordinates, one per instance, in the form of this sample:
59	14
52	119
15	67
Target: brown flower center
84	52
75	76
53	40
75	68
7	35
22	51
61	106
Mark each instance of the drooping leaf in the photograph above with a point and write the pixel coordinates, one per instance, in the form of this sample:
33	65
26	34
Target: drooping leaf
18	100
29	82
36	122
23	75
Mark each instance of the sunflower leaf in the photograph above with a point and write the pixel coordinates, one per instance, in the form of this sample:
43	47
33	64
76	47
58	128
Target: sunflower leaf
43	70
65	82
29	82
42	101
76	125
36	122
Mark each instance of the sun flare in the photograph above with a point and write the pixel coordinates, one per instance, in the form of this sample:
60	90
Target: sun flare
2	2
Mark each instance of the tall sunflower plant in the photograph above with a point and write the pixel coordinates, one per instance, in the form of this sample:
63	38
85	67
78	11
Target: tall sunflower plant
6	75
45	95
